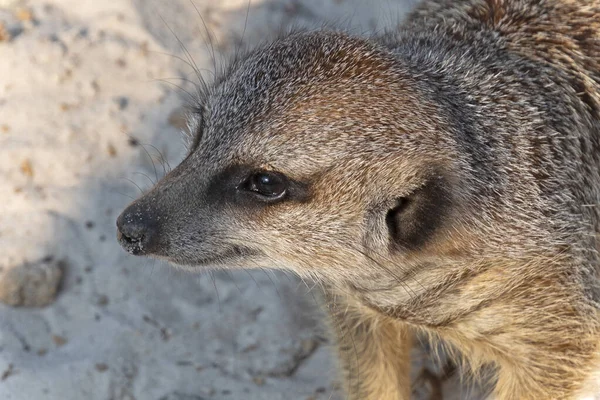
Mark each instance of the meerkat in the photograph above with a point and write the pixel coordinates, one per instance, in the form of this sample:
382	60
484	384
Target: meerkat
442	178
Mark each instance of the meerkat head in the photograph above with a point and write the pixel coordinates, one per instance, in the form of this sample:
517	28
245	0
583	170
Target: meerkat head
315	153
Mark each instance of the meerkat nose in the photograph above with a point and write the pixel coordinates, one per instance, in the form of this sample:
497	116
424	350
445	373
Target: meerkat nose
136	231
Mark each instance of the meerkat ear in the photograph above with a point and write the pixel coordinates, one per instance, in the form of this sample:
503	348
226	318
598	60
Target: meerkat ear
414	219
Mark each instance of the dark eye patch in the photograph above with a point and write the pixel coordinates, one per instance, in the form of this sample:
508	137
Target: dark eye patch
247	186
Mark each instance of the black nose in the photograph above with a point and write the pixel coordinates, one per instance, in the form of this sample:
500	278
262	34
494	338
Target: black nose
136	230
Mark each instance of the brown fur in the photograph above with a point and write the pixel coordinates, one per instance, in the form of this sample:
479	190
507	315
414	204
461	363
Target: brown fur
442	179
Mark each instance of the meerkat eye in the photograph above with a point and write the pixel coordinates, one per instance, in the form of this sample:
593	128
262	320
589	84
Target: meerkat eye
271	185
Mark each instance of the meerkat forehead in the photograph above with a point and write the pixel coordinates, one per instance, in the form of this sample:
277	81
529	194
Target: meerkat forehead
319	89
276	75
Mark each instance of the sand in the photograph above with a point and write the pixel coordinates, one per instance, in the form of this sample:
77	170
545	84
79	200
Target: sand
90	110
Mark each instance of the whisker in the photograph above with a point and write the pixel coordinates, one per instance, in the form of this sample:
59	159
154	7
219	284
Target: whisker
153	165
274	285
244	30
162	157
191	96
184	49
212	277
228	272
135	184
254	279
126	195
208	36
206	70
145	175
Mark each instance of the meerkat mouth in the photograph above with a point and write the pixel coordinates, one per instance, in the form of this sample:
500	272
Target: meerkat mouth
221	259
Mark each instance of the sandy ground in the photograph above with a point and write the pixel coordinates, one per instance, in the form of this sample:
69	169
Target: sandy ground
89	110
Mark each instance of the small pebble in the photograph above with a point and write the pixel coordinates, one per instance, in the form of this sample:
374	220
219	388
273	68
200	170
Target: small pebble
122	102
24	14
101	367
4	34
27	168
59	340
102	300
112	151
259	380
133	142
8	372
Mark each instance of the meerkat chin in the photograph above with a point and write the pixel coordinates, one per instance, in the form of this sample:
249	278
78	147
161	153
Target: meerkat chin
440	178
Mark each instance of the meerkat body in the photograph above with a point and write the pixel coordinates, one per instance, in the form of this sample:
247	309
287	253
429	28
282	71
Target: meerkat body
443	178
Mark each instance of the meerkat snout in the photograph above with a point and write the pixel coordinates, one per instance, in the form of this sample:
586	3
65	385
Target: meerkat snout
137	230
